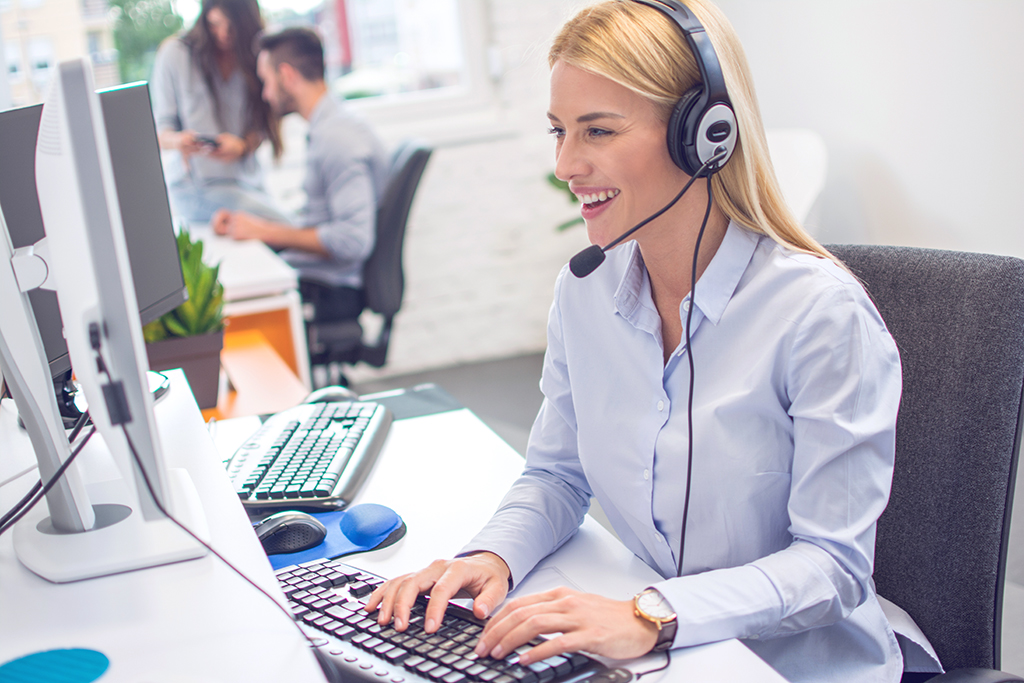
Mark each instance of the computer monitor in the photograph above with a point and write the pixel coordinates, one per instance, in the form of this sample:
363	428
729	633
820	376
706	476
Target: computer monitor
142	196
112	526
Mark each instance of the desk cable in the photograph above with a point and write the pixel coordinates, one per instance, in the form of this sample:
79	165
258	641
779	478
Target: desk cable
114	395
38	490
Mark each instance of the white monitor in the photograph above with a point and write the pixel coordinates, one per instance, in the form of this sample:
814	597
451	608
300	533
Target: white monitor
88	264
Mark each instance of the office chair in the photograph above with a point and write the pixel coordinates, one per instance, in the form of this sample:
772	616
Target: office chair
958	320
341	342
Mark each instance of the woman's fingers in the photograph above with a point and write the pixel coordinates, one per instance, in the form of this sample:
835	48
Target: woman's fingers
483	577
585	622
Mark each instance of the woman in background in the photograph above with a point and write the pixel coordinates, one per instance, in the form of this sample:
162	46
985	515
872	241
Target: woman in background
209	110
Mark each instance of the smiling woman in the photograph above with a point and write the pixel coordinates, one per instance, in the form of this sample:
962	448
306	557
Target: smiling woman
778	403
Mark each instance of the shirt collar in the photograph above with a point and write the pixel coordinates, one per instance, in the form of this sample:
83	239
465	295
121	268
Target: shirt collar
714	288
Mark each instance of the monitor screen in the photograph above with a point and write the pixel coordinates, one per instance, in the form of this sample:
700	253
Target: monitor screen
142	195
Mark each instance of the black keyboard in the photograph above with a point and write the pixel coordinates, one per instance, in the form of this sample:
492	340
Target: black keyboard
329	596
314	455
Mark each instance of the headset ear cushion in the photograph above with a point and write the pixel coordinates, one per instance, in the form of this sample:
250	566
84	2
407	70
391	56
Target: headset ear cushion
677	129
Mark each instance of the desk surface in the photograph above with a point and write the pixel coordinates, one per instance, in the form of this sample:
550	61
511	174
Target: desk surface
193	621
446	473
443	473
248	269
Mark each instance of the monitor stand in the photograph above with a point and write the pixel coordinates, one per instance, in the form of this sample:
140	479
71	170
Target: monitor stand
122	539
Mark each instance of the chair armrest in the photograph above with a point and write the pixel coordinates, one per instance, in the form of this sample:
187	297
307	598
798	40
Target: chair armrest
975	676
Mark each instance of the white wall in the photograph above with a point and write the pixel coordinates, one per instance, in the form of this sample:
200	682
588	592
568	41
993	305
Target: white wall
921	103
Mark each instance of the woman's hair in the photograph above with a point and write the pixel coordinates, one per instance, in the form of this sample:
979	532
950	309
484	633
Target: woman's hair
642	49
246	24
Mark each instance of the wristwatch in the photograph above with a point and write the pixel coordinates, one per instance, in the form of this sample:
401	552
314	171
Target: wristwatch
652	606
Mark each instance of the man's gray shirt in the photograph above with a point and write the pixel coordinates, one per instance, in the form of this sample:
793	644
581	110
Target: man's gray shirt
346	170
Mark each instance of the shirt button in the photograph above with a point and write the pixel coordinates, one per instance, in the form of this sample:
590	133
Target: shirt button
659	537
647	475
661	406
686	305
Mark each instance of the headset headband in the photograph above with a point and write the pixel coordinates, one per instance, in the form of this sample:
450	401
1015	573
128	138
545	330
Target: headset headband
703	121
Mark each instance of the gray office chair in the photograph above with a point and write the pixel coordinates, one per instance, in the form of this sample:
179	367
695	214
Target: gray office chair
332	344
958	320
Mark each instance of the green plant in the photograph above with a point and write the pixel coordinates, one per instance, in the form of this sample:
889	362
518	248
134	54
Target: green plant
564	187
203	313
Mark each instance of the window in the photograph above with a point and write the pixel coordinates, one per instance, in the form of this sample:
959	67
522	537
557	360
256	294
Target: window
12	56
94	40
40	58
397	50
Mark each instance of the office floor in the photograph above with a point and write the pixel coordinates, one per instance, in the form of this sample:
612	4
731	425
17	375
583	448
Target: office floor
505	395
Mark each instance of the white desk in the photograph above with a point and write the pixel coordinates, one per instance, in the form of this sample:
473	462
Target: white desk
257	282
194	621
443	473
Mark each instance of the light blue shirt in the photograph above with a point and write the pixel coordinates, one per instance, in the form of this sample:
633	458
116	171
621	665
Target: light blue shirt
797	386
346	171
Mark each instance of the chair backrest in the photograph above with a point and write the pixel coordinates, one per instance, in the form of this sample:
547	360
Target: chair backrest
383	276
958	320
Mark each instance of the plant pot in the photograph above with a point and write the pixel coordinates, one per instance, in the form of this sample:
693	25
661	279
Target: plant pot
198	356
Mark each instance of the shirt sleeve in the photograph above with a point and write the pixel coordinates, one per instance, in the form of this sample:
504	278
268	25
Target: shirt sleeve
843	383
545	506
348	234
166	98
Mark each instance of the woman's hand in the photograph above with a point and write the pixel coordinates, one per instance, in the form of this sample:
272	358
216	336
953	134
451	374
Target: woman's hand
229	148
584	621
483	577
184	141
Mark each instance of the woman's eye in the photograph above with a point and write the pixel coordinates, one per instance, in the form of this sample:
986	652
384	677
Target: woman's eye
557	132
598	132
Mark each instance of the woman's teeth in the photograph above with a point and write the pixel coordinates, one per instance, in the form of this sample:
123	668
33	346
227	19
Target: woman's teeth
598	196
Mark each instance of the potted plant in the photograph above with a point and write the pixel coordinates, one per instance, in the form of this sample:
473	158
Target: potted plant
192	335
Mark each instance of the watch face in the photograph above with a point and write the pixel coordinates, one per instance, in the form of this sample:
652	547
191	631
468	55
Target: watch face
653	604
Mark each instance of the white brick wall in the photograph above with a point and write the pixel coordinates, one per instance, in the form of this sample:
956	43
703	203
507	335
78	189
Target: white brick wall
481	251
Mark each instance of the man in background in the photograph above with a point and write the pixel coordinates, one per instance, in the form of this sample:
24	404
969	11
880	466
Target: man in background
346	169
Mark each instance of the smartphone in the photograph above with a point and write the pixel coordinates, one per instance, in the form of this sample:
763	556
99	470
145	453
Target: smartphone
207	140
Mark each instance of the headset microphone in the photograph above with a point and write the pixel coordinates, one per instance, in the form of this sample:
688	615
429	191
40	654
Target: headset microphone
587	261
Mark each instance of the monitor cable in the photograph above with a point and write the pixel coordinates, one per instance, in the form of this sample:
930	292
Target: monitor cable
38	490
113	392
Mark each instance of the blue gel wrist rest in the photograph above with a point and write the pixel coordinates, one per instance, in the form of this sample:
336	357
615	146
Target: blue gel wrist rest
354	530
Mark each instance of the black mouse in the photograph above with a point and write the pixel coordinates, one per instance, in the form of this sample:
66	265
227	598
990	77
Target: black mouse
332	394
289	532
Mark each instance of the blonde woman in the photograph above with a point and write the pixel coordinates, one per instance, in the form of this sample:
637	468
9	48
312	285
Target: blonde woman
795	393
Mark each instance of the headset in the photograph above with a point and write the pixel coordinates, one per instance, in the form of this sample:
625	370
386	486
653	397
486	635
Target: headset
702	122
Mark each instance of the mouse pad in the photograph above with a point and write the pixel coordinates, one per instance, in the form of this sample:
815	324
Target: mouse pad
354	530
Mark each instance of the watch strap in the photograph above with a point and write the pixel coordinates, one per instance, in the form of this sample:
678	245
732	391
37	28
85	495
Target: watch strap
666	636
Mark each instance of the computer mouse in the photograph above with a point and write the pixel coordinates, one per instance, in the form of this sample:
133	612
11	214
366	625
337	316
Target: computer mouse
332	394
289	532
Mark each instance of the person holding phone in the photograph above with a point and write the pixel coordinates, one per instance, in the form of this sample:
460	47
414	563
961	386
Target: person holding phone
210	116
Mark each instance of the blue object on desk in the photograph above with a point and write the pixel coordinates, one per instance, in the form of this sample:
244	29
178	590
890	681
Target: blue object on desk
354	530
56	666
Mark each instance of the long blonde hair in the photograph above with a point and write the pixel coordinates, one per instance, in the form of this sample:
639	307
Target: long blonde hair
640	48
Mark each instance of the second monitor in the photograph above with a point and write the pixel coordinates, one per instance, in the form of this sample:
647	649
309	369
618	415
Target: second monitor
142	195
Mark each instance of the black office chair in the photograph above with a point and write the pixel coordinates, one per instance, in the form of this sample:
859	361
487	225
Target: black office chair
332	344
958	320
